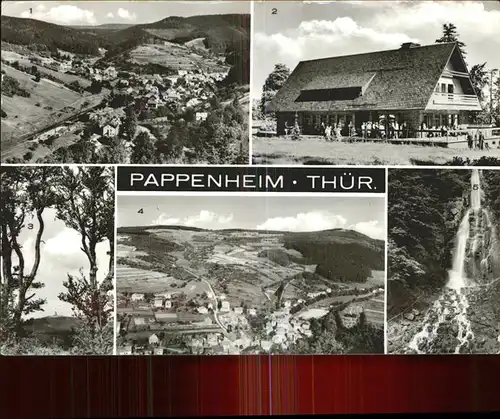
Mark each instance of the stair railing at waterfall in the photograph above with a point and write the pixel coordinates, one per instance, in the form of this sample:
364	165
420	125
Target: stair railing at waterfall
406	309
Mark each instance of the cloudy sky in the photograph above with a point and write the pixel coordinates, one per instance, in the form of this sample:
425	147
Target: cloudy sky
131	12
302	31
60	254
366	215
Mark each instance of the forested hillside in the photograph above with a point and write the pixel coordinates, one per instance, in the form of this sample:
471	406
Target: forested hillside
345	256
425	209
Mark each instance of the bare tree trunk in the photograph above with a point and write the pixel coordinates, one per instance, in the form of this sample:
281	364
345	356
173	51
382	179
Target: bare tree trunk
26	281
111	266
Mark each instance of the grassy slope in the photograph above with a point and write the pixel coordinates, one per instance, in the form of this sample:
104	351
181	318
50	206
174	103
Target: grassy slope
45	92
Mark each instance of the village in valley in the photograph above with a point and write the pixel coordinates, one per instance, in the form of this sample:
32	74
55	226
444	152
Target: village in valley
192	291
147	102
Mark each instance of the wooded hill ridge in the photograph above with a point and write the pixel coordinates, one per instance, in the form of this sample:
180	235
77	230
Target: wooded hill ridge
340	255
224	33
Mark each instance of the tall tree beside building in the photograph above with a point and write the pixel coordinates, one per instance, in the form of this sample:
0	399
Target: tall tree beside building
496	101
143	149
450	34
273	83
129	125
115	153
170	148
479	79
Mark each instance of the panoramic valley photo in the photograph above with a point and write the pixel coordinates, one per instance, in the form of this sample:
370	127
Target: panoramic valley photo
125	82
376	82
443	292
250	275
57	257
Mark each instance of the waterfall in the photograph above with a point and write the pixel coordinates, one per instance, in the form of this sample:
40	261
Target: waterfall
457	277
448	315
457	272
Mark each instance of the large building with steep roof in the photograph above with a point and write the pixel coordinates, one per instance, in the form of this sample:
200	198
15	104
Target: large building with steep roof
413	84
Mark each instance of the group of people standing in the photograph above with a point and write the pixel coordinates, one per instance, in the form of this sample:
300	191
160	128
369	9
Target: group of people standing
477	142
332	133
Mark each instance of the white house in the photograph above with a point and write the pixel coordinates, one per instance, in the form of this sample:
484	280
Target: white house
238	310
212	340
202	310
266	344
226	307
154	340
137	297
201	116
158	303
252	312
168	304
158	351
110	72
139	321
111	129
193	102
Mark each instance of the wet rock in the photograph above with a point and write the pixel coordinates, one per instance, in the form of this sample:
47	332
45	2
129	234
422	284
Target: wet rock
415	312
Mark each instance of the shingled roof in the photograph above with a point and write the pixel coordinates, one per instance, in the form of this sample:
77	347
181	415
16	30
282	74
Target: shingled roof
391	80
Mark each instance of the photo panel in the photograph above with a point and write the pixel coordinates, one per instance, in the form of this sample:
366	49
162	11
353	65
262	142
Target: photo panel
250	273
57	255
443	285
375	83
119	82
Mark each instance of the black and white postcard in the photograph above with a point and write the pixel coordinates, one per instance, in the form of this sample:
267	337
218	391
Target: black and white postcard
57	249
246	274
125	82
443	294
376	82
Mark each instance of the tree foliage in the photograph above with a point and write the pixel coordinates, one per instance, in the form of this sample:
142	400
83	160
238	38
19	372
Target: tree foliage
26	194
479	79
84	199
273	83
450	34
143	149
425	208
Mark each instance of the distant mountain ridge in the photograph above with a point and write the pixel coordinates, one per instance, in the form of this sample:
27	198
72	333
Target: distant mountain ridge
340	254
222	33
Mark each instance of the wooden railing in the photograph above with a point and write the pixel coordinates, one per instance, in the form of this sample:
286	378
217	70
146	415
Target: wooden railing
454	98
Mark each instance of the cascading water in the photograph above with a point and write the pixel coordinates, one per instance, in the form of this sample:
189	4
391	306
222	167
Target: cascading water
457	272
448	315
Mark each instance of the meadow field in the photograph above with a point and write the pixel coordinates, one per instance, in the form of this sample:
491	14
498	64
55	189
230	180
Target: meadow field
315	150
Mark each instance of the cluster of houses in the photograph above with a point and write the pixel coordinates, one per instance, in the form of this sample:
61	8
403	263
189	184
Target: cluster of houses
283	329
108	120
350	316
189	90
